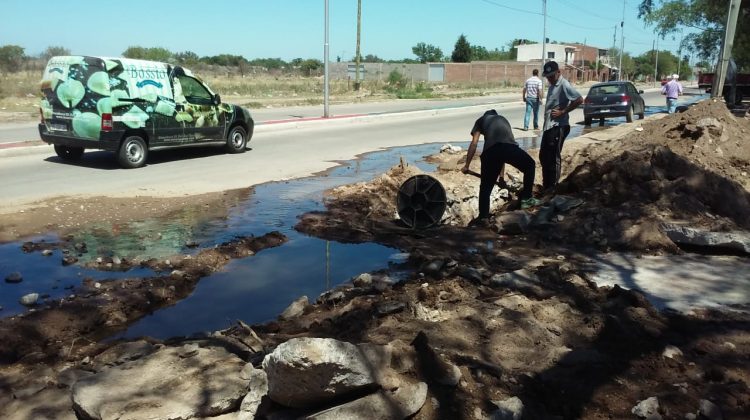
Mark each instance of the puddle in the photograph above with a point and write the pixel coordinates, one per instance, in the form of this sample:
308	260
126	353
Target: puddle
254	289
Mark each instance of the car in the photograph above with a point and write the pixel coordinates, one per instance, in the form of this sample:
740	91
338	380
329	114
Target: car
613	99
131	107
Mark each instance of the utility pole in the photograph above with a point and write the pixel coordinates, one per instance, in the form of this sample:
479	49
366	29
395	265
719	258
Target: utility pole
614	46
656	62
325	65
679	53
622	40
726	49
359	31
544	33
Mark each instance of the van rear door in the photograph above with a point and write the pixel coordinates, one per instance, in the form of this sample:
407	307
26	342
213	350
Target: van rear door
72	87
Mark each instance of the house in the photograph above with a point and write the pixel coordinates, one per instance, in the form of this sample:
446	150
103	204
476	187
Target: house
557	52
579	62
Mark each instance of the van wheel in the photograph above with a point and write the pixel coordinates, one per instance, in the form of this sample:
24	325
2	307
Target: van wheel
587	121
133	152
236	140
629	115
69	153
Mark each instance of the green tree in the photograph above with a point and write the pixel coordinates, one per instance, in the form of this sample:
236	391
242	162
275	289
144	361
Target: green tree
11	58
311	66
708	18
370	58
53	52
187	58
153	54
461	51
427	53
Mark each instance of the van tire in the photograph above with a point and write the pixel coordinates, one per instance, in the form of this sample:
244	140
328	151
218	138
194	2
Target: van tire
68	153
236	140
133	152
587	121
629	115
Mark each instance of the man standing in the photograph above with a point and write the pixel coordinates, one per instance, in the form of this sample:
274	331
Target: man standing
532	95
499	148
672	90
562	98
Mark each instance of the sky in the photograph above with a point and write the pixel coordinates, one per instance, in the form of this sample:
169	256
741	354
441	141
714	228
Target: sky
289	29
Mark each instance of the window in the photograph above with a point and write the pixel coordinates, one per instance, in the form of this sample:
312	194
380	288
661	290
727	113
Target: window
194	91
551	55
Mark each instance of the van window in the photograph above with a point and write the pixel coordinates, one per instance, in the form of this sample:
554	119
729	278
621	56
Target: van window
194	91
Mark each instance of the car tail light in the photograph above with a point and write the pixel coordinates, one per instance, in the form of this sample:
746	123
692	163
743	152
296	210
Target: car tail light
106	122
625	98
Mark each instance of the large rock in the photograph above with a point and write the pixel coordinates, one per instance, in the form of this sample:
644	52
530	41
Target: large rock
303	372
738	241
382	405
171	383
513	223
258	390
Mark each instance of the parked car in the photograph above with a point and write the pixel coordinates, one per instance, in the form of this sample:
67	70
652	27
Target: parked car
613	99
131	107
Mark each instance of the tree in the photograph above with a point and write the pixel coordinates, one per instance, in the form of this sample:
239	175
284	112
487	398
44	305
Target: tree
370	58
11	58
311	66
427	53
153	54
53	52
669	17
187	58
461	51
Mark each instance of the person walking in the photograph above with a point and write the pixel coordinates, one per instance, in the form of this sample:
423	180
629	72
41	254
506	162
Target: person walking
562	98
672	89
532	96
499	148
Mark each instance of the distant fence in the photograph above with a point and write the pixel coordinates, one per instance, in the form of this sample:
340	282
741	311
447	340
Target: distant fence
507	72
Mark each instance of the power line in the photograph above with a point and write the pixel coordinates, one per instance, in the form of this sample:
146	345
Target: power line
511	8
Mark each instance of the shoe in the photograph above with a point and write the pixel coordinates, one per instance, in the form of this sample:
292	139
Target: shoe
526	129
530	202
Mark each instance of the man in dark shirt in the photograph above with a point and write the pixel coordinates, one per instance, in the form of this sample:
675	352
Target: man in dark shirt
499	148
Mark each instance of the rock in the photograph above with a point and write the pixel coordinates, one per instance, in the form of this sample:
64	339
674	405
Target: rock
188	350
258	384
513	223
68	377
124	352
116	260
508	409
388	308
671	352
647	409
69	260
564	203
14	277
30	299
471	274
362	280
433	267
543	216
47	252
304	372
164	385
709	410
296	309
739	241
437	366
515	280
382	405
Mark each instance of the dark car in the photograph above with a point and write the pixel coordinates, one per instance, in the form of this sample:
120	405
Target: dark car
613	99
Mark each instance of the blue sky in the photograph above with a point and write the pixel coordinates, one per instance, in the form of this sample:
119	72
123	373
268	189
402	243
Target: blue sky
289	29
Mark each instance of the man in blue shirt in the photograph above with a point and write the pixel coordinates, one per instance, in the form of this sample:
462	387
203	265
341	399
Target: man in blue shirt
562	98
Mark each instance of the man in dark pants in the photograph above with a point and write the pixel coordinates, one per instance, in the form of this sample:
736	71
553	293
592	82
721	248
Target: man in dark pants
499	148
562	98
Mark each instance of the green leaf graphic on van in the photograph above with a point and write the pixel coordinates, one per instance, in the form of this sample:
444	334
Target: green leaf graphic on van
99	83
118	94
104	106
135	117
70	93
183	117
87	124
165	108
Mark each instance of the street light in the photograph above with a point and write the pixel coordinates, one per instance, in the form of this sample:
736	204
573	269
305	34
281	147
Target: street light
325	65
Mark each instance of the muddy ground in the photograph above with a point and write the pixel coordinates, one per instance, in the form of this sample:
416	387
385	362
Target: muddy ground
567	348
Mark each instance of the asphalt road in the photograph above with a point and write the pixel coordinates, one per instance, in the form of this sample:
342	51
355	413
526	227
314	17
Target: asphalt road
278	152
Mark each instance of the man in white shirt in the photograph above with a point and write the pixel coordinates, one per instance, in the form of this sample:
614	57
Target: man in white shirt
532	95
